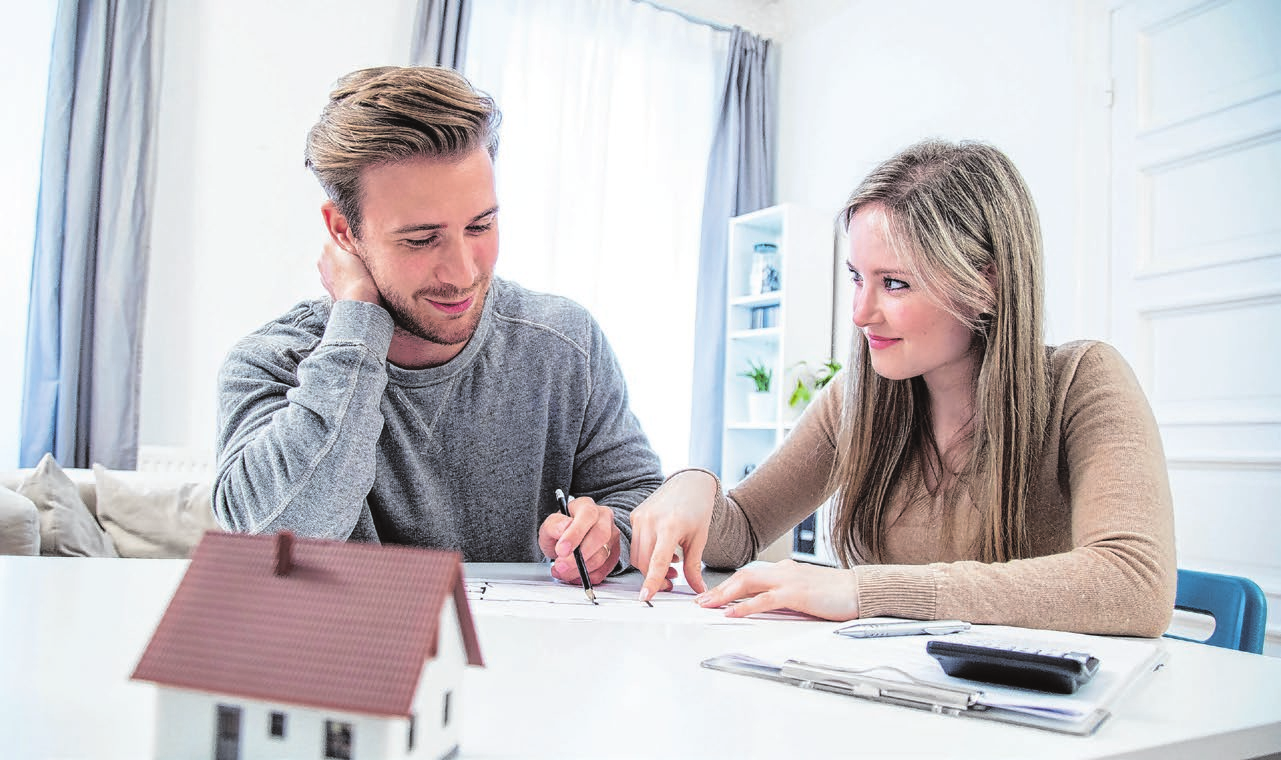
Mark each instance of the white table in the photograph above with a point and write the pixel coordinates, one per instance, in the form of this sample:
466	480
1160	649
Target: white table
72	631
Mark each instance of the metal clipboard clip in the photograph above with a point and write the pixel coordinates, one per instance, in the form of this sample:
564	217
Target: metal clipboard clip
858	683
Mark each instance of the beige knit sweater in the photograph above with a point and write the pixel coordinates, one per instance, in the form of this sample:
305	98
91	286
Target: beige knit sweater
1100	518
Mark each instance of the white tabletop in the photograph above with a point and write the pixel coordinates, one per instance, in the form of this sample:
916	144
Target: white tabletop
566	685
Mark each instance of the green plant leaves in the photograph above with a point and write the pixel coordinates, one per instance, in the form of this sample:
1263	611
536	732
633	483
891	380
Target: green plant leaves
759	374
810	381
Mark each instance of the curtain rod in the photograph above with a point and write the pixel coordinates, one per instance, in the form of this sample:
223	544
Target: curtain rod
686	16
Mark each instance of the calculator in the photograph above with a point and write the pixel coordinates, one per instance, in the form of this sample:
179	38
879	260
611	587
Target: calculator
1014	664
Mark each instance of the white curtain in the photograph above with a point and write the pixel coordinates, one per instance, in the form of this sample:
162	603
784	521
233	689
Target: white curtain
608	112
82	378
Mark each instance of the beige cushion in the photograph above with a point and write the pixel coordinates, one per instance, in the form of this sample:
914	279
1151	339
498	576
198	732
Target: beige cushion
19	524
82	477
67	527
153	518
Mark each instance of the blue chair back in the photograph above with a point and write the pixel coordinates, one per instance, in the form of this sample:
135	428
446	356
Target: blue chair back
1237	605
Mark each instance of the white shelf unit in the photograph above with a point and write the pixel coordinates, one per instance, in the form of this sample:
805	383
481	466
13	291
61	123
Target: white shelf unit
802	330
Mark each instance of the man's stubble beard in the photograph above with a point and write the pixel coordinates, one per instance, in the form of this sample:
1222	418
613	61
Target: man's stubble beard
447	332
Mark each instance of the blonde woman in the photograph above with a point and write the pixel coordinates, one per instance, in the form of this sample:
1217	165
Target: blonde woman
978	474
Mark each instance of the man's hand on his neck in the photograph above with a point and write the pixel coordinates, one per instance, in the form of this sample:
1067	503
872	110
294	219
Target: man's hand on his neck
345	276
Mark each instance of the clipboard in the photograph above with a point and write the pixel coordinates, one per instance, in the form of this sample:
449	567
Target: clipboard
891	673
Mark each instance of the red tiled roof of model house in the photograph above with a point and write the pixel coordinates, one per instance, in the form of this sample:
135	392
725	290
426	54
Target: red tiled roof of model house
346	626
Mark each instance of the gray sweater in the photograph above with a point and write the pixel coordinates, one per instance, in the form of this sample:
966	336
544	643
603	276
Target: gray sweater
321	435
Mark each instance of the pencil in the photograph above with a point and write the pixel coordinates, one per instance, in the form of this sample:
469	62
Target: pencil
578	553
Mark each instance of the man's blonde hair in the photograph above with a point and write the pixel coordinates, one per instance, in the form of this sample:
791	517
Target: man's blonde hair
382	115
962	222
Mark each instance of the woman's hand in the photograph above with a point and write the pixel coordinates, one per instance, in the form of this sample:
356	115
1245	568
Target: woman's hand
676	516
824	592
591	529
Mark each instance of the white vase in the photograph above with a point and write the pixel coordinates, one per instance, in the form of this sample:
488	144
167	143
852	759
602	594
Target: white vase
760	407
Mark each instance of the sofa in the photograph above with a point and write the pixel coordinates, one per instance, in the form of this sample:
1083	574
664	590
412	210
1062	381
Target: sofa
96	512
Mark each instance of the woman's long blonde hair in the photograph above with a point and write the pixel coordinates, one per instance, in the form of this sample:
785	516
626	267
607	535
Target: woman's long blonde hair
963	224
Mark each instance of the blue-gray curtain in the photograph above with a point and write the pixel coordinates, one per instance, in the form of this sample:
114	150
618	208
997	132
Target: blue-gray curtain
440	33
89	268
740	178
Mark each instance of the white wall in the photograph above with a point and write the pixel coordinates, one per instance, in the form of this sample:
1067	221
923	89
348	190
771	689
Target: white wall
25	40
765	18
236	226
860	80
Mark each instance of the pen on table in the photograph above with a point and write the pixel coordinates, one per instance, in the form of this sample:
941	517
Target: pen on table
872	630
578	553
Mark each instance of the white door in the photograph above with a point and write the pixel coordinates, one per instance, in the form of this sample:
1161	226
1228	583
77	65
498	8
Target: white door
1196	266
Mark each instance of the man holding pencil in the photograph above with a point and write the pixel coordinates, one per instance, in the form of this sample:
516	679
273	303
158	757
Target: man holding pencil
427	402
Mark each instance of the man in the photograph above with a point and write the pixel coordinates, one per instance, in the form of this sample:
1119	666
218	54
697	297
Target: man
427	402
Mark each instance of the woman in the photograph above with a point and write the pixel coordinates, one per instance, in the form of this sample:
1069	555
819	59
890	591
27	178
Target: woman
977	473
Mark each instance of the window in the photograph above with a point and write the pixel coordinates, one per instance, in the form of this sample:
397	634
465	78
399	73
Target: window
278	724
337	740
608	117
444	718
227	736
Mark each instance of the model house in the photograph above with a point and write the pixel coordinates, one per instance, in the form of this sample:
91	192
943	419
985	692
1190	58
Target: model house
284	647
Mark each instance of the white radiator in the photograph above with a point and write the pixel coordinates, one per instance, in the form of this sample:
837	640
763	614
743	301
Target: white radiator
197	464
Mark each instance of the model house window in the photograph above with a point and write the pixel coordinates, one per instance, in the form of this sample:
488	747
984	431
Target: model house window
278	724
337	740
227	737
444	717
412	720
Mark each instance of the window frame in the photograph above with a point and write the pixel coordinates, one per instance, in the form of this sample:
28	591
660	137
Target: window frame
339	731
276	724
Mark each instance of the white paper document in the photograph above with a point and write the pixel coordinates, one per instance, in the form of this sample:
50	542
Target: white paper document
539	595
908	674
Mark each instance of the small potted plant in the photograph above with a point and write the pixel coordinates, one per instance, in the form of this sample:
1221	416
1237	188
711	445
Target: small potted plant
809	381
760	403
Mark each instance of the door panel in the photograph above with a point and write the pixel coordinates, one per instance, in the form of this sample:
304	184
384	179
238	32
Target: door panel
1196	265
